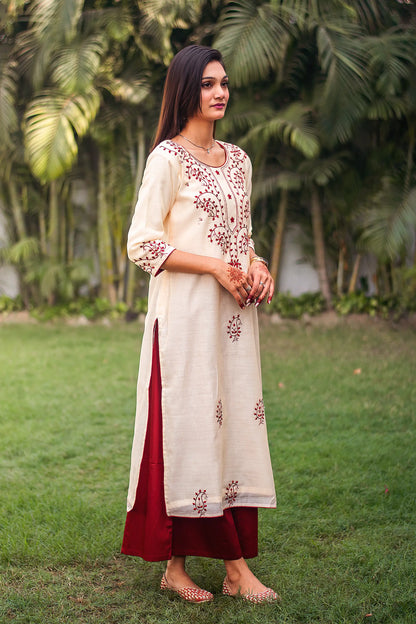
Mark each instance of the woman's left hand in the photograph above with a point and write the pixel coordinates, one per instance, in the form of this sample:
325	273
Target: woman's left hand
262	283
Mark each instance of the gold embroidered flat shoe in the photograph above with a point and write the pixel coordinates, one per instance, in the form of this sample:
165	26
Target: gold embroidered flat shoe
190	594
268	595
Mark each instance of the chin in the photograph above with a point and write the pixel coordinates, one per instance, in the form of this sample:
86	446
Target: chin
218	114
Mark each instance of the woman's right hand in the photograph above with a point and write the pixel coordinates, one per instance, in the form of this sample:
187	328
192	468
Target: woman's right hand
234	280
231	278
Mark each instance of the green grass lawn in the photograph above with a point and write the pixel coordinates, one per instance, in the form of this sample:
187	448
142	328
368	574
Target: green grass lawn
341	546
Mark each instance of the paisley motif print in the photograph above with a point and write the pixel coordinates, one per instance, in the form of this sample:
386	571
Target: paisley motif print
200	502
234	328
231	493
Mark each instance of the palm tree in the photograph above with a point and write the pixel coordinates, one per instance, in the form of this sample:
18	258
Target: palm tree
70	63
86	73
327	58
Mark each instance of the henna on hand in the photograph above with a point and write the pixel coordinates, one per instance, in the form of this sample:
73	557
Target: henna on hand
235	275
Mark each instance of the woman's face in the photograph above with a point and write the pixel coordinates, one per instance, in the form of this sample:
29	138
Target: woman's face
214	92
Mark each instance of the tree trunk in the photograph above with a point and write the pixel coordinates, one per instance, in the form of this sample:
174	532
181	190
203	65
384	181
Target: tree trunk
278	235
319	244
20	227
53	232
71	232
62	253
354	274
104	238
17	210
340	272
384	274
42	232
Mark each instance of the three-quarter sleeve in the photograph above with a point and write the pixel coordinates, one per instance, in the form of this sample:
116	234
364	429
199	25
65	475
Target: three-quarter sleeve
147	240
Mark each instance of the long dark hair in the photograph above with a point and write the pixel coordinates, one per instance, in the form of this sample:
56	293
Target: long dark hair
182	91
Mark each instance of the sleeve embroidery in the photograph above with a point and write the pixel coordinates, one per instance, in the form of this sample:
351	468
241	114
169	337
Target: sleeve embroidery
156	250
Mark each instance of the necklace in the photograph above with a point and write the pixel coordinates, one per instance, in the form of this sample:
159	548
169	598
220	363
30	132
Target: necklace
206	149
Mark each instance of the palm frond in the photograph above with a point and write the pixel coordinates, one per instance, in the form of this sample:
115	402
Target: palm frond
154	41
344	64
172	13
252	39
293	127
245	113
392	58
299	64
388	224
267	186
53	123
22	251
133	91
159	17
304	13
387	107
74	67
55	280
8	113
79	271
25	51
116	21
53	23
9	12
55	20
322	171
373	14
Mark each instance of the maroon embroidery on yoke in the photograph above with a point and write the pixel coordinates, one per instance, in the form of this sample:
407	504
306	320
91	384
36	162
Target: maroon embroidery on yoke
208	201
234	328
220	236
231	493
218	413
259	412
200	502
222	196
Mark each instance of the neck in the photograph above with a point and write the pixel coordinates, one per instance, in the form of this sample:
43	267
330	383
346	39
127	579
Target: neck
199	132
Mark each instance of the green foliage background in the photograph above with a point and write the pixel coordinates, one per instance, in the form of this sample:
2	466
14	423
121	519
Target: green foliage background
323	99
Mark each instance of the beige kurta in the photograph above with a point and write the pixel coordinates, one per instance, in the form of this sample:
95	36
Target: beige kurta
215	447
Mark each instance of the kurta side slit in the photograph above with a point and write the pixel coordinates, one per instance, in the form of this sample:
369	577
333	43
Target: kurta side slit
150	533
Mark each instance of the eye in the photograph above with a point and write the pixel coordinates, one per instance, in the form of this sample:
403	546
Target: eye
206	85
225	84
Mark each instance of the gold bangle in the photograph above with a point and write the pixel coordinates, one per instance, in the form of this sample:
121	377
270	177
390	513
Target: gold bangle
259	259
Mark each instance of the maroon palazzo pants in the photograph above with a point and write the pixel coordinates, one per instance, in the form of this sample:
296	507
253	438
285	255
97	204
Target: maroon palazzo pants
153	535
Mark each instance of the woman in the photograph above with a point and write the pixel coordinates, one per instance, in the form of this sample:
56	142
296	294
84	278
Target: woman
200	460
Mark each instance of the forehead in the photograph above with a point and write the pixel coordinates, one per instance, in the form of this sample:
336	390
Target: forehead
214	69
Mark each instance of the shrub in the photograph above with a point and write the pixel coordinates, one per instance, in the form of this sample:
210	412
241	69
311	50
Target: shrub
7	304
288	306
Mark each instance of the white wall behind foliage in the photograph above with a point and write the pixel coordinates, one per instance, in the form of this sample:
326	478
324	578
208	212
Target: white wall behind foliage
9	281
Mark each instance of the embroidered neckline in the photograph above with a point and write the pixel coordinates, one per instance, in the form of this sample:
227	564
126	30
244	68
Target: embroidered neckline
227	154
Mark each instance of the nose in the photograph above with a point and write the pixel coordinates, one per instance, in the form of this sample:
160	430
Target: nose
220	91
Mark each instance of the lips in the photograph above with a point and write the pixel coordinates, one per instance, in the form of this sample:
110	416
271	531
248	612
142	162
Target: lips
219	106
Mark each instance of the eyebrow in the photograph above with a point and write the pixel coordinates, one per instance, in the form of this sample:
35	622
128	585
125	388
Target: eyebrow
212	77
